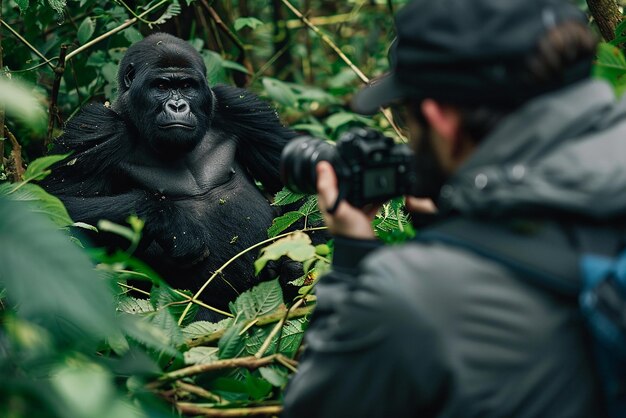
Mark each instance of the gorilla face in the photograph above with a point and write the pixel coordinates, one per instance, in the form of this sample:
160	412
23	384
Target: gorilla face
172	106
164	94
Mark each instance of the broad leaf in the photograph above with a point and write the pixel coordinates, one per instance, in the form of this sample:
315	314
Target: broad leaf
135	306
296	246
202	328
86	30
40	168
20	102
201	355
247	22
40	202
287	197
260	300
279	92
283	222
231	345
50	279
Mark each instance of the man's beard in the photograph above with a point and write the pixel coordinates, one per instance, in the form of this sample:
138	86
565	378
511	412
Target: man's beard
430	174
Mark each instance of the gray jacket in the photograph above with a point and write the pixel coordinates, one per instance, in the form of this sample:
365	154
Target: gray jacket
427	329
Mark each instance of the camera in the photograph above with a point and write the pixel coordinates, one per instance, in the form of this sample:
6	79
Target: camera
370	167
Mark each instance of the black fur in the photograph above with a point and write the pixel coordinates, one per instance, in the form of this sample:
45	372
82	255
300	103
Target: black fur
192	181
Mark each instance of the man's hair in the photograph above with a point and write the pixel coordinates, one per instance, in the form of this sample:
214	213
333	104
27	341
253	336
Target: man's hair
565	45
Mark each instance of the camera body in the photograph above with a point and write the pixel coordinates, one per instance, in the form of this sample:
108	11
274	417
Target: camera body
370	167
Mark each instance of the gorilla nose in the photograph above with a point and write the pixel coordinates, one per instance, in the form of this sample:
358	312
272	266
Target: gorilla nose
177	106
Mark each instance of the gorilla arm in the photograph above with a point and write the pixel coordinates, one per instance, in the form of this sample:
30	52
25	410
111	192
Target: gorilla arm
86	181
259	133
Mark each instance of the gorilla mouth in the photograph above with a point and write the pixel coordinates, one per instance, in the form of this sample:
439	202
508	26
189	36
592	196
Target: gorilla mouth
177	125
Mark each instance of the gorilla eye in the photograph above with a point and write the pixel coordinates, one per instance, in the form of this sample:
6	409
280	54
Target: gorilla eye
186	85
161	86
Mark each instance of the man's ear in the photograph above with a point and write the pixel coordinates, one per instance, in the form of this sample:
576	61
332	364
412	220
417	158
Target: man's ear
444	120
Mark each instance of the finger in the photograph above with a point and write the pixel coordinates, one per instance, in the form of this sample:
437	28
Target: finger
421	205
326	184
371	209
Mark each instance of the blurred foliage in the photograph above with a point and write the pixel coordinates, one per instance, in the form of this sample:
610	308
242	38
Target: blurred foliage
74	341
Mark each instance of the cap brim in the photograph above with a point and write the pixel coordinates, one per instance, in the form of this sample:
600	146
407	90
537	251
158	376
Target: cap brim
380	92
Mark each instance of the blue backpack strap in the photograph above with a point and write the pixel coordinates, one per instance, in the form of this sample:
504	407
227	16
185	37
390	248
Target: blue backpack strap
538	250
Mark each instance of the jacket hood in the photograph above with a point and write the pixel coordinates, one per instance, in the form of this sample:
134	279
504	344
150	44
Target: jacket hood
562	152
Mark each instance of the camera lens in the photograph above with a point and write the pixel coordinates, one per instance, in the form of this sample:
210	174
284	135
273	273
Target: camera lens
298	161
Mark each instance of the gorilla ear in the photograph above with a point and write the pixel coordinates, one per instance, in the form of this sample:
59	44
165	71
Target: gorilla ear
129	75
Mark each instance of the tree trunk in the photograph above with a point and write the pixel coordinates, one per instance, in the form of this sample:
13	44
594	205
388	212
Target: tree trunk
607	16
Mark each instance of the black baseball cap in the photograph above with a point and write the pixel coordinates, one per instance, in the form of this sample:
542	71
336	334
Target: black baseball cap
467	52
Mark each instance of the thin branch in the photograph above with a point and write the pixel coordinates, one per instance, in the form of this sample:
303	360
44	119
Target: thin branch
250	363
53	109
386	112
113	31
607	15
193	409
198	391
220	23
320	20
16	155
229	262
1	105
25	42
276	329
260	321
328	41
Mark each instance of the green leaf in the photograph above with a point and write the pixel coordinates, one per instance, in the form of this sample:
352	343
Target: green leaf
231	344
173	10
296	246
312	129
310	206
165	321
40	168
105	225
147	333
234	66
86	30
214	69
279	92
283	222
201	355
132	35
275	376
164	297
49	278
260	300
287	197
40	201
22	4
291	338
84	387
202	328
611	66
247	22
22	103
340	119
322	249
57	5
257	388
135	306
86	226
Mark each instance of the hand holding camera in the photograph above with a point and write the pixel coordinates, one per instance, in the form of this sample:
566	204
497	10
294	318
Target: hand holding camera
363	170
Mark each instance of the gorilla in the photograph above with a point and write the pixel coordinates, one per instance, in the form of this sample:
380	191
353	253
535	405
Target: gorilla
184	157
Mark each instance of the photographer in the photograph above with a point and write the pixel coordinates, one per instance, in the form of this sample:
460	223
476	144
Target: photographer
506	124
